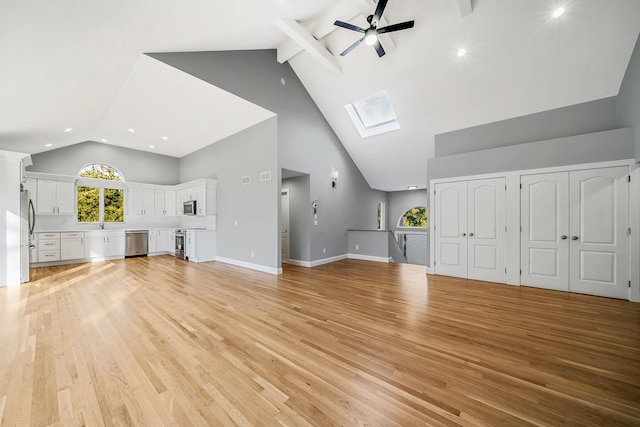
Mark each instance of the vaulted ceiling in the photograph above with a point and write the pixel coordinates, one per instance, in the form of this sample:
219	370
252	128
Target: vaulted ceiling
79	65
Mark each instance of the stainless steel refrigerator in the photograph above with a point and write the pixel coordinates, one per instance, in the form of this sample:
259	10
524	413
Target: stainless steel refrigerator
27	223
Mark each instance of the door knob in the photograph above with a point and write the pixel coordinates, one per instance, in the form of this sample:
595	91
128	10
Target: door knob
470	234
563	237
464	234
574	237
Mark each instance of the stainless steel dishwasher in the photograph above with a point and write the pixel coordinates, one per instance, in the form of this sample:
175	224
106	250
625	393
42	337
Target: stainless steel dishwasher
137	243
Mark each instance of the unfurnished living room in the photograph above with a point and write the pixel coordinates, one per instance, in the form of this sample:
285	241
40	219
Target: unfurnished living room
340	212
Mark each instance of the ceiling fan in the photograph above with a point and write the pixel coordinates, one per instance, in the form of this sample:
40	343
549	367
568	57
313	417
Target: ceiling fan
371	34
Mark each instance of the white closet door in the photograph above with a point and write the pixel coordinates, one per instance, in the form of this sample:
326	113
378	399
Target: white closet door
485	230
599	250
544	206
451	229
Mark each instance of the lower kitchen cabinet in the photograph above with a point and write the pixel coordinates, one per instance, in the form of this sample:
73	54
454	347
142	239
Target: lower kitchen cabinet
71	245
200	245
104	244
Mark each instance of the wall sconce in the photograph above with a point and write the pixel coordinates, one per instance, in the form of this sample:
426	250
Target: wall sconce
334	178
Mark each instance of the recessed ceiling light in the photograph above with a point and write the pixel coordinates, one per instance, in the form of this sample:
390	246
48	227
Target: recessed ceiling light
462	52
68	129
132	130
48	145
412	187
104	140
152	146
165	138
558	12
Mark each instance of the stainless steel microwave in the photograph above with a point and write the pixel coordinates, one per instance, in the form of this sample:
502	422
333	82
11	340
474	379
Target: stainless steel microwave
190	207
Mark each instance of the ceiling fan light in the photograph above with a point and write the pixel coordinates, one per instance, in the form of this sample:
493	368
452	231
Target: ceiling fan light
371	37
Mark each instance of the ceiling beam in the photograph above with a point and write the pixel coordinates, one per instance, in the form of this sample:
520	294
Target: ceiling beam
465	7
320	28
302	37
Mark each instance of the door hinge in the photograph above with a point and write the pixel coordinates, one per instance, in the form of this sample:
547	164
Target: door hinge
505	186
521	186
505	228
628	178
629	283
435	262
505	271
629	232
521	229
521	272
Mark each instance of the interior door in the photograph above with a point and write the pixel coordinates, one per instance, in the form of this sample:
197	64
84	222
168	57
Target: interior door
451	229
544	255
485	230
284	224
599	248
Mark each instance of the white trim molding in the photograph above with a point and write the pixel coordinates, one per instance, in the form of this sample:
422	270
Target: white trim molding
249	265
370	258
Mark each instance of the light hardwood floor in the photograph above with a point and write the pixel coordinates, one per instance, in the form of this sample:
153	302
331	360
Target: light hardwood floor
159	341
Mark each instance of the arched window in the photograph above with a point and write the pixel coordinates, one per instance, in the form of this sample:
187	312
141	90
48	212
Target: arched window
415	217
100	194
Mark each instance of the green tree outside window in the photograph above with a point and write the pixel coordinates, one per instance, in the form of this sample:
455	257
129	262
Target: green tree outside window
415	217
100	204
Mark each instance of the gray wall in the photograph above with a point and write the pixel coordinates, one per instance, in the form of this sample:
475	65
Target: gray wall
255	207
576	119
306	143
135	165
300	217
593	147
629	97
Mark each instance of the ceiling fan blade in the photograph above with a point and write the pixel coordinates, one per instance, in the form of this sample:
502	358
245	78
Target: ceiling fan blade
349	26
396	27
353	46
378	13
379	48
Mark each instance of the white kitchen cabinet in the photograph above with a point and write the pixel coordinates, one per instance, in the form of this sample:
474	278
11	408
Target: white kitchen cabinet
104	244
141	201
203	191
153	242
171	241
48	247
71	245
200	245
55	197
165	202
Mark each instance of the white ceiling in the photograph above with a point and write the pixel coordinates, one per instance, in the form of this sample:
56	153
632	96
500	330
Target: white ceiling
79	64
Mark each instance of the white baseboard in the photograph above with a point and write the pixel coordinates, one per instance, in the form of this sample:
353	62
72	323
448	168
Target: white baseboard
327	260
299	263
252	266
370	258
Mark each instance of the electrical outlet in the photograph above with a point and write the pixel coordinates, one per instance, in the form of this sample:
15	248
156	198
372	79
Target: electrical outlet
251	254
235	222
324	250
357	247
315	222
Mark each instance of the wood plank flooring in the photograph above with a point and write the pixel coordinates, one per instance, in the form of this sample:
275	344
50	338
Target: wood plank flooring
159	341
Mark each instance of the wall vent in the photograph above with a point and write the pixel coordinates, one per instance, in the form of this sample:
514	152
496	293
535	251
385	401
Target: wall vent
265	176
245	180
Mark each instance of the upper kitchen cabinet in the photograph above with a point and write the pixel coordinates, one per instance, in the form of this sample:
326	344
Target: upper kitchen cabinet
203	191
165	202
141	200
55	197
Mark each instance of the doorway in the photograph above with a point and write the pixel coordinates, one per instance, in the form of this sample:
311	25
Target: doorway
284	224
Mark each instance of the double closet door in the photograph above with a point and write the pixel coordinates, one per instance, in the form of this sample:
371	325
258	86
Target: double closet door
470	229
574	231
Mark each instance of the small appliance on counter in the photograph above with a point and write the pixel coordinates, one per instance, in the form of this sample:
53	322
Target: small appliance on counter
180	242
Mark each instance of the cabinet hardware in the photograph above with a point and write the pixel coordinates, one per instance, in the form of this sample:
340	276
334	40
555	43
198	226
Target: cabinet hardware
574	237
563	237
464	234
470	234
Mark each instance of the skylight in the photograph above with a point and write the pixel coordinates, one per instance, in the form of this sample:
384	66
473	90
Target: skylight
373	115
